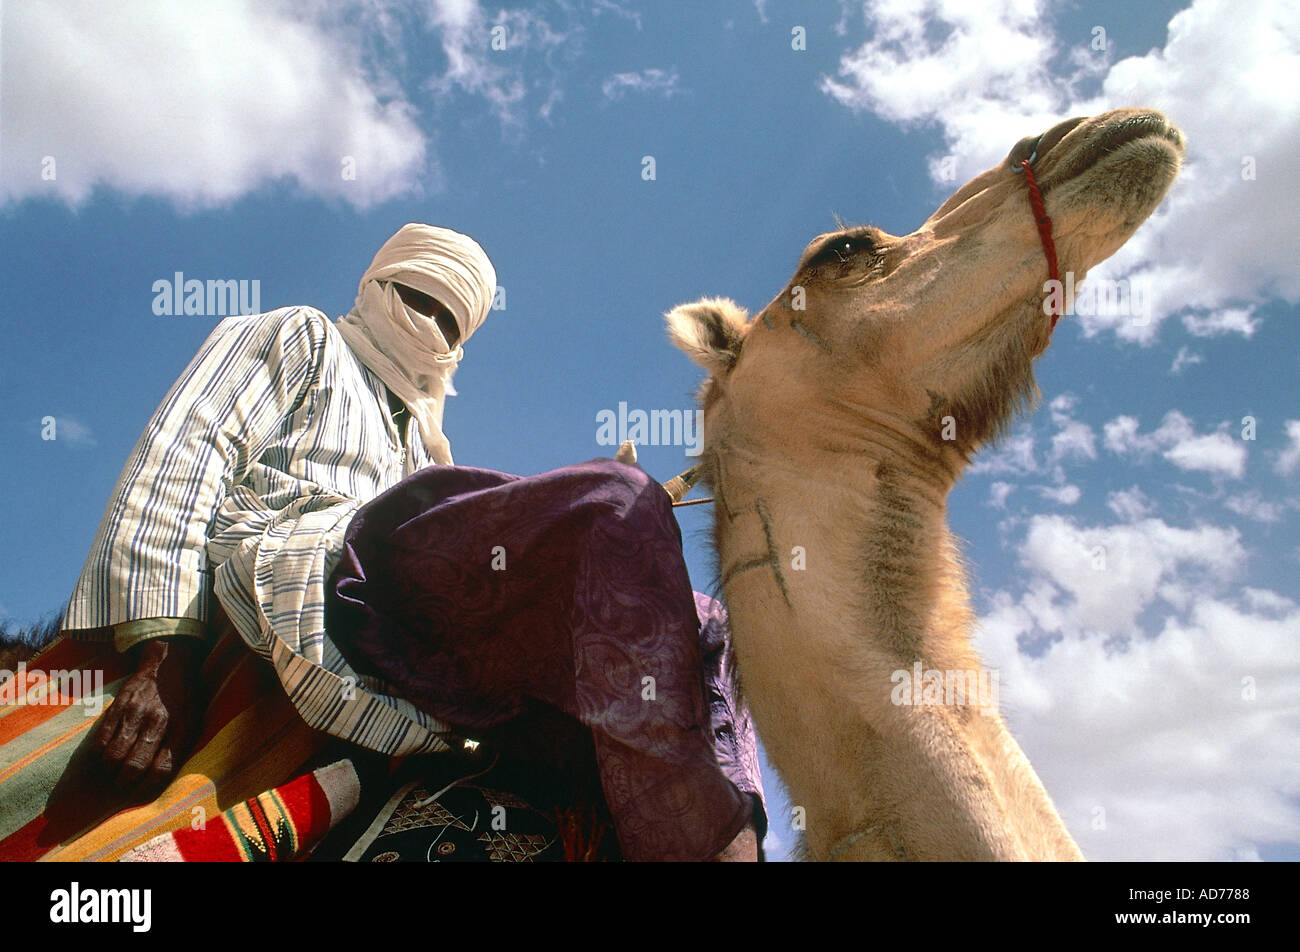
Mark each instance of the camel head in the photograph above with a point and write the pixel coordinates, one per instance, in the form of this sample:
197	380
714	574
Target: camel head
924	343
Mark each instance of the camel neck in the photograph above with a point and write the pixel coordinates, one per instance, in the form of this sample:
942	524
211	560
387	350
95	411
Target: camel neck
785	520
902	447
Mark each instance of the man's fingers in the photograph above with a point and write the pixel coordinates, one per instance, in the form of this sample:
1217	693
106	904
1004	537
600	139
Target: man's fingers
163	766
121	724
144	750
172	751
106	728
128	731
144	731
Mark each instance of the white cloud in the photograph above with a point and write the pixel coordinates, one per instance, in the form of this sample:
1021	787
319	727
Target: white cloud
988	67
74	431
662	82
1213	453
1176	440
1110	575
1289	458
1184	359
200	105
1121	436
1073	440
1255	506
195	104
609	6
1262	600
1224	238
476	68
1130	504
1062	404
1066	495
998	494
1015	455
1235	320
1161	699
842	24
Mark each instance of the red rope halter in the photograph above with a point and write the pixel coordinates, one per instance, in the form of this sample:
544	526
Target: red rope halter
1044	228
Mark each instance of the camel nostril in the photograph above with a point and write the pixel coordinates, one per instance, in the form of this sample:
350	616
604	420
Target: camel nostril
1026	148
1034	148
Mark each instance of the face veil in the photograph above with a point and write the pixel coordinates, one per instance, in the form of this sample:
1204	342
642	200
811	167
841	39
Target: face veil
405	348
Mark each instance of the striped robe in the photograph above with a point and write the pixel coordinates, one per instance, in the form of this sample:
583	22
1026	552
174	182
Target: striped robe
242	485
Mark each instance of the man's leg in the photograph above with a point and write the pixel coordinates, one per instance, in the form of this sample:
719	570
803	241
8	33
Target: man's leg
487	598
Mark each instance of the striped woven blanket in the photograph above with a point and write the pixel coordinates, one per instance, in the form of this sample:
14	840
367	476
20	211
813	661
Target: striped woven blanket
261	785
54	804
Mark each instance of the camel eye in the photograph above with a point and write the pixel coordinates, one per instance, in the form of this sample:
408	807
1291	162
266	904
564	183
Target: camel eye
842	249
848	246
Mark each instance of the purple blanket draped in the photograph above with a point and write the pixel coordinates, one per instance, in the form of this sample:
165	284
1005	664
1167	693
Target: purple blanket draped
506	604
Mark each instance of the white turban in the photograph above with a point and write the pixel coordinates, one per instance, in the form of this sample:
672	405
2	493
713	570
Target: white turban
405	348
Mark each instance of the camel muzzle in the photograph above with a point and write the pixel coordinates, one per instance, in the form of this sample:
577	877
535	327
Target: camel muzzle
1100	141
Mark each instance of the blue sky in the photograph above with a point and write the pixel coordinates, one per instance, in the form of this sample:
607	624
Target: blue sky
158	140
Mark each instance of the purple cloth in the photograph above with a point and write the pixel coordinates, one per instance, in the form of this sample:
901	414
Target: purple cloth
494	601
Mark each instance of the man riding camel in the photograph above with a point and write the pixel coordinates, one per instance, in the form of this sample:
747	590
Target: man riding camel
298	472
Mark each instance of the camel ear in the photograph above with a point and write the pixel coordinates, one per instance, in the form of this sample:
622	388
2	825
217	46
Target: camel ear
710	331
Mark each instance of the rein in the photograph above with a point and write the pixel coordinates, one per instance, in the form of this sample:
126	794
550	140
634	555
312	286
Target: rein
1044	224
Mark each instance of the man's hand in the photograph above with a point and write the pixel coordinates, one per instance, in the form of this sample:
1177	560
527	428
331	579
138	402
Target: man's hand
149	727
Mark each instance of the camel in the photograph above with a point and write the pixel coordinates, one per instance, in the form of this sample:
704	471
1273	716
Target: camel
837	421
